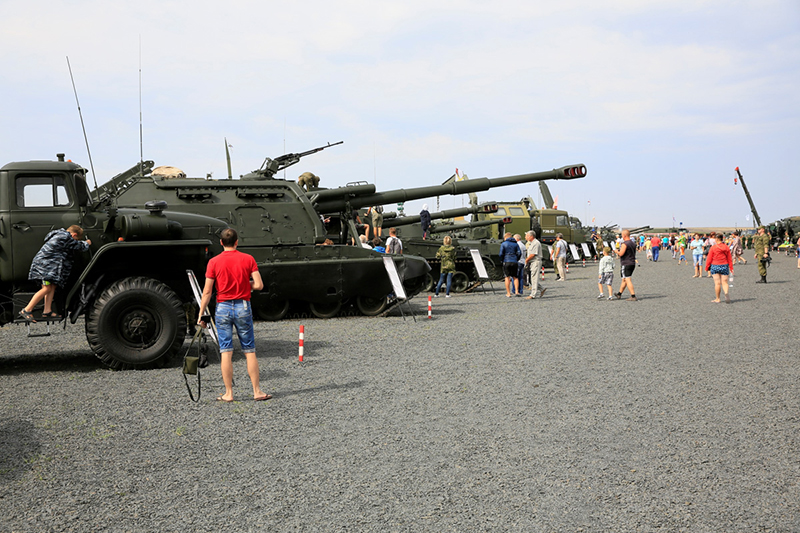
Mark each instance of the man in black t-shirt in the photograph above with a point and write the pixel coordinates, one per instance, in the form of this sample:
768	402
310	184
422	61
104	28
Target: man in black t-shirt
627	261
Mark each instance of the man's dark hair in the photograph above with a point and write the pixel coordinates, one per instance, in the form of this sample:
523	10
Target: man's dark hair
228	237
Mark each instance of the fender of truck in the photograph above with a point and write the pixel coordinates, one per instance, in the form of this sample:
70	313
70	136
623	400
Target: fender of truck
163	260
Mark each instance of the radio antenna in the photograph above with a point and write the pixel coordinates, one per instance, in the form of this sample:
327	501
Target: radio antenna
85	138
141	144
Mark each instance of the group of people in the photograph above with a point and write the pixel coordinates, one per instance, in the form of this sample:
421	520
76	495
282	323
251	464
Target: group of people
393	244
521	261
626	252
235	275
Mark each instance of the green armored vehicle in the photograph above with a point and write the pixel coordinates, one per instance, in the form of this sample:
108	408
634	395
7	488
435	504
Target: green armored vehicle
131	287
485	232
545	222
410	232
283	226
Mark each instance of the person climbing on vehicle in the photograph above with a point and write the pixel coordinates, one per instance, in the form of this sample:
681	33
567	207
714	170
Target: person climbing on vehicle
51	265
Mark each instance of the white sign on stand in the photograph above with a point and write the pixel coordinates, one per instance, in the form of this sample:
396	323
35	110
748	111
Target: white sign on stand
394	277
479	266
585	248
397	285
574	250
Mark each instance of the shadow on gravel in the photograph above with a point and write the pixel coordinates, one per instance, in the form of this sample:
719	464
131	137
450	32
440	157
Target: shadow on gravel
75	361
320	388
444	311
267	348
286	349
19	448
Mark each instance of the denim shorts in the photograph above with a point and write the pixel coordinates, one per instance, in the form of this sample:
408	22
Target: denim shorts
235	313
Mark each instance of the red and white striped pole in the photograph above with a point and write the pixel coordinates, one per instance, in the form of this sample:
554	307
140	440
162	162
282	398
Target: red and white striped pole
429	307
542	273
567	263
302	334
584	261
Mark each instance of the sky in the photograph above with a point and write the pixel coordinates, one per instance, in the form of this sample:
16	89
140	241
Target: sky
660	99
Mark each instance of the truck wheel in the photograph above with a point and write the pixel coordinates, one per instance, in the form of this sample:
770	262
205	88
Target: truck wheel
136	323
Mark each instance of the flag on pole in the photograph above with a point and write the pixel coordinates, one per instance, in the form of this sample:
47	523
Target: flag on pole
555	203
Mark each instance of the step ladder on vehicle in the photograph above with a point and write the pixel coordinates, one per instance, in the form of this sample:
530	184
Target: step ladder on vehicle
198	295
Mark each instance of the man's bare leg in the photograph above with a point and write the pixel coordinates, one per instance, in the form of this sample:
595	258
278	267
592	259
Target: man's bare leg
226	366
255	376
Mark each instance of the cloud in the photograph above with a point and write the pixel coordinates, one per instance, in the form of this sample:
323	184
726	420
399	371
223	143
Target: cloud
414	88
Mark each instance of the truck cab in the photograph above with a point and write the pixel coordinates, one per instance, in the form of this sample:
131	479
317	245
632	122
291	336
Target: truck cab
131	286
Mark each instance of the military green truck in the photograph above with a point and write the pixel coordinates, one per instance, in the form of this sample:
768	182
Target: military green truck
545	222
131	287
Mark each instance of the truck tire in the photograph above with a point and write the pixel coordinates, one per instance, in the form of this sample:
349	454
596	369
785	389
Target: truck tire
136	322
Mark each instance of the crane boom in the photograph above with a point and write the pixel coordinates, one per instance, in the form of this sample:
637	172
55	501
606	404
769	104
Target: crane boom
756	218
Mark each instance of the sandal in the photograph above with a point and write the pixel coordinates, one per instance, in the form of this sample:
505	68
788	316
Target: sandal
52	315
27	315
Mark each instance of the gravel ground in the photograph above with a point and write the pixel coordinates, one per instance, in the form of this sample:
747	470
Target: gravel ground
560	414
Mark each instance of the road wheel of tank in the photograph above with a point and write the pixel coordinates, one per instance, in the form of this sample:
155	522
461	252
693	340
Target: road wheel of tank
495	273
414	285
136	323
371	306
270	308
325	309
430	283
460	282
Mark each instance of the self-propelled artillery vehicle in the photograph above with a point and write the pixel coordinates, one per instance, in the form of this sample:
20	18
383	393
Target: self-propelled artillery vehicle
131	286
410	233
282	226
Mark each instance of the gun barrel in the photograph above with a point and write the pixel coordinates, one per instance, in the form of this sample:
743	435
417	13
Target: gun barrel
465	225
453	188
447	213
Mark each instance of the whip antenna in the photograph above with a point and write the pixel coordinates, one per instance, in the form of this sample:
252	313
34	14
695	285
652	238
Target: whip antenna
141	148
86	139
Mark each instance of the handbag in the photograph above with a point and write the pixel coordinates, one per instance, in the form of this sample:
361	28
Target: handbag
193	363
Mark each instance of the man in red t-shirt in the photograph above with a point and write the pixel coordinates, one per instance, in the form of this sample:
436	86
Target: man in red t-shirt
235	275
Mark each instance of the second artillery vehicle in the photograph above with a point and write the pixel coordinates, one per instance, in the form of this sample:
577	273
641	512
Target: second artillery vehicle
280	224
410	232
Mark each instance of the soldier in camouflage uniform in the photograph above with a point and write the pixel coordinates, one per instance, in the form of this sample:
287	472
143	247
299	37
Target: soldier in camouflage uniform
761	247
307	180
